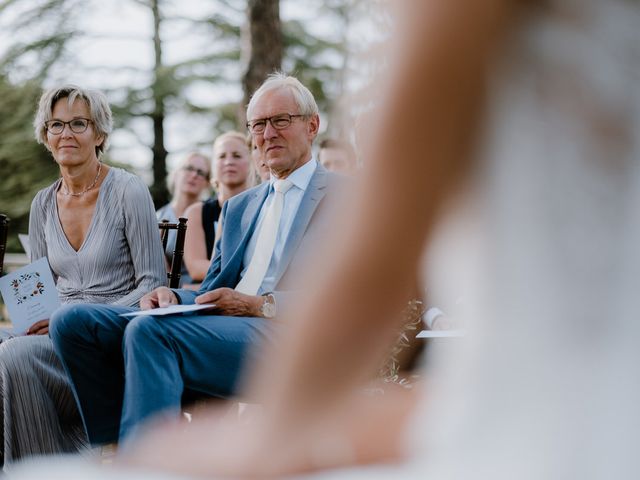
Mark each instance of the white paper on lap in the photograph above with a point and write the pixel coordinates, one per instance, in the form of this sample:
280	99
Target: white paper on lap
171	310
441	333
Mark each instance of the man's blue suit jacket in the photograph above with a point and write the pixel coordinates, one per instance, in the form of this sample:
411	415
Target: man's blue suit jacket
240	214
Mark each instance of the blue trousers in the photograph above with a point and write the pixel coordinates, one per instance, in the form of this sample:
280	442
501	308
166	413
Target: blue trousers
126	370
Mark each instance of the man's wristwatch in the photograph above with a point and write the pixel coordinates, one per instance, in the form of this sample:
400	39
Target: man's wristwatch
268	308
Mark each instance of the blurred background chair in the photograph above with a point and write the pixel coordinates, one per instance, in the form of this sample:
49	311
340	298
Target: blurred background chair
176	260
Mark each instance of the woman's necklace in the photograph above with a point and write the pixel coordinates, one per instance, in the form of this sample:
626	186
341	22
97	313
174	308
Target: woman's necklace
93	184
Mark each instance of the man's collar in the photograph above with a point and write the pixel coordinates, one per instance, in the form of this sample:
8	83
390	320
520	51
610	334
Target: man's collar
301	176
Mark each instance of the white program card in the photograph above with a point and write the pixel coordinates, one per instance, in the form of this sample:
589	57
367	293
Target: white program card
30	294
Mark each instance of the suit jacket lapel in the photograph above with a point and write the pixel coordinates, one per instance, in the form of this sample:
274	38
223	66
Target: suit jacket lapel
251	211
239	234
310	201
247	224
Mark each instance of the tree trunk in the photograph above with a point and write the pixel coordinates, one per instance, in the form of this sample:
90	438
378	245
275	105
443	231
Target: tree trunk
265	47
159	191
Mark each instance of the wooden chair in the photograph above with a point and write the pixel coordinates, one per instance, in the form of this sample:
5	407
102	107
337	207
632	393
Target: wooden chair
176	261
4	229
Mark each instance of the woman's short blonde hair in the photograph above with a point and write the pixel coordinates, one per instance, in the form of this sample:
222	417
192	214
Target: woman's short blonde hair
232	134
99	110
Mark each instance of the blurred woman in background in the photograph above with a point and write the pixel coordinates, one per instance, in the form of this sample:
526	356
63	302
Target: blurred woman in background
186	183
231	168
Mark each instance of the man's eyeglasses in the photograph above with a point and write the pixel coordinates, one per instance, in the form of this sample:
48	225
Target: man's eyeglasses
197	171
279	122
77	125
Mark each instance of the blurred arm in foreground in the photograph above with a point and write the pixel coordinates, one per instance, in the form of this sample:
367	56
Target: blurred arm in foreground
313	417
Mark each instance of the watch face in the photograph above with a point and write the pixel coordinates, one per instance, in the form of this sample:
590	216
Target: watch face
268	309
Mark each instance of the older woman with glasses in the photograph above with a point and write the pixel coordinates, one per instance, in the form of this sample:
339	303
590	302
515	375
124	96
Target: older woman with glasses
97	227
186	183
232	174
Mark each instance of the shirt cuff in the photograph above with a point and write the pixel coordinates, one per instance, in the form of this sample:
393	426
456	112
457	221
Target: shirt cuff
431	315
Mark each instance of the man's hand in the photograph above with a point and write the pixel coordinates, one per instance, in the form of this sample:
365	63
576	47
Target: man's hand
41	327
230	302
160	297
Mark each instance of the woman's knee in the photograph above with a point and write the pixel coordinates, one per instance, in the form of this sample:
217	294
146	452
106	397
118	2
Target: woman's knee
20	354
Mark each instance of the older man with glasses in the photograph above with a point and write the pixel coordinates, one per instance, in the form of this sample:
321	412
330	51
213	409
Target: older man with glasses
126	370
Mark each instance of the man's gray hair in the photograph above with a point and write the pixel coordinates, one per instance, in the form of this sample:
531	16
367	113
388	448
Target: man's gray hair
278	80
99	111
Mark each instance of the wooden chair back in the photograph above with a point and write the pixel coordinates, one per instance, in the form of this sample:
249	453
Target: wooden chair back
174	272
4	229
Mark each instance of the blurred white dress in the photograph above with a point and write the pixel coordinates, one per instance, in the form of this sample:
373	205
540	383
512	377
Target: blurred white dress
547	382
547	385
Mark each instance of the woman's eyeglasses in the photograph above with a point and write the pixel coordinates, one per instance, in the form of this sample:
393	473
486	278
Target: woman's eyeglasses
197	171
77	125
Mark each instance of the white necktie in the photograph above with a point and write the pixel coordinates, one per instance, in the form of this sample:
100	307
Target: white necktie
252	279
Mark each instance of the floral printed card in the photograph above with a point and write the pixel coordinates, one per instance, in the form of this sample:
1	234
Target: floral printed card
30	294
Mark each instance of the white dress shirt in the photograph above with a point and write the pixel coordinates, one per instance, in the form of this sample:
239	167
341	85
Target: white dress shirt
300	179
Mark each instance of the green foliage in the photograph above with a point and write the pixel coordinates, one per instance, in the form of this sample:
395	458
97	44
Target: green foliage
318	59
40	33
43	29
27	166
